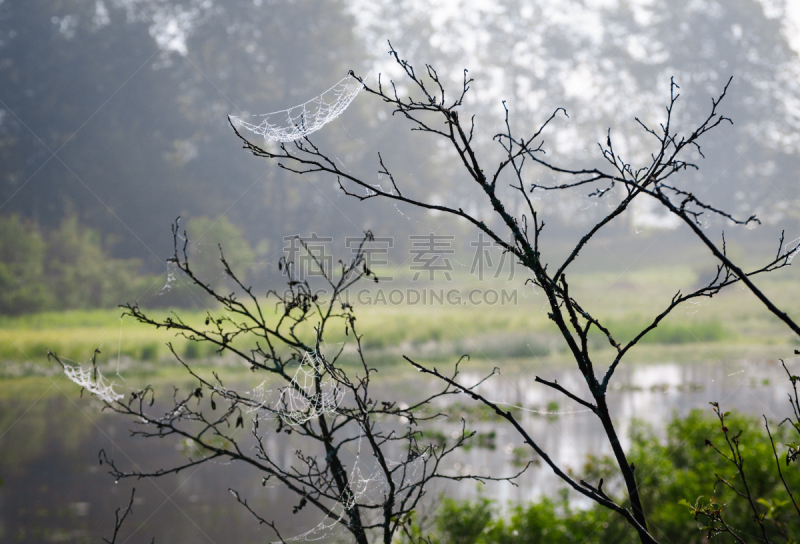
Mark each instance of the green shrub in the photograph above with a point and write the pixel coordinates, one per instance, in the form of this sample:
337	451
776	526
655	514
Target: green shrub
680	467
149	351
69	267
464	522
23	287
192	350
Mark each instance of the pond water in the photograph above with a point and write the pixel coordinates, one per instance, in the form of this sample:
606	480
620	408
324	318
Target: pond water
54	490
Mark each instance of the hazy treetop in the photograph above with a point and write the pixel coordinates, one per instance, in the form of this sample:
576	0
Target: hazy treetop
117	109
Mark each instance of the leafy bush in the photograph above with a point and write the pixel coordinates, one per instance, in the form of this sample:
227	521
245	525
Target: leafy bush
22	282
81	273
681	467
66	268
464	522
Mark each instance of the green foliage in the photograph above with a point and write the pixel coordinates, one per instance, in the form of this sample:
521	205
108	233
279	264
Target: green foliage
82	274
149	351
464	522
434	437
60	269
672	473
22	282
199	350
557	522
685	467
551	521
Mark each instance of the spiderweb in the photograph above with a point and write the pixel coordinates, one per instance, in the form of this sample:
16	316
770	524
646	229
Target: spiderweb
792	253
302	401
305	400
300	121
93	382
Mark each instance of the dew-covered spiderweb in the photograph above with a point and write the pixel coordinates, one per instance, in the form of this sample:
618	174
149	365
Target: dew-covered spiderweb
94	382
792	253
171	278
306	399
300	121
302	400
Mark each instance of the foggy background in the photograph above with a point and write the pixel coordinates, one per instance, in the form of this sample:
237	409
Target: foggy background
113	116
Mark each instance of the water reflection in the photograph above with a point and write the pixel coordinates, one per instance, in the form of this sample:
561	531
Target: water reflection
54	490
651	393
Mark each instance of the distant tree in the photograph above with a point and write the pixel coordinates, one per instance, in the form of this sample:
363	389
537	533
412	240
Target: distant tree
64	268
132	108
23	287
535	58
80	272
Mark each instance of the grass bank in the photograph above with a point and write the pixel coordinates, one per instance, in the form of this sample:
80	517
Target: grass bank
731	324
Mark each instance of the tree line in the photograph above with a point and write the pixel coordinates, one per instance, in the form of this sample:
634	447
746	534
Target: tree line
71	266
110	113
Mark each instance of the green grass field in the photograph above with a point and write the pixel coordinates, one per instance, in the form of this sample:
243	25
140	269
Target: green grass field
731	325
